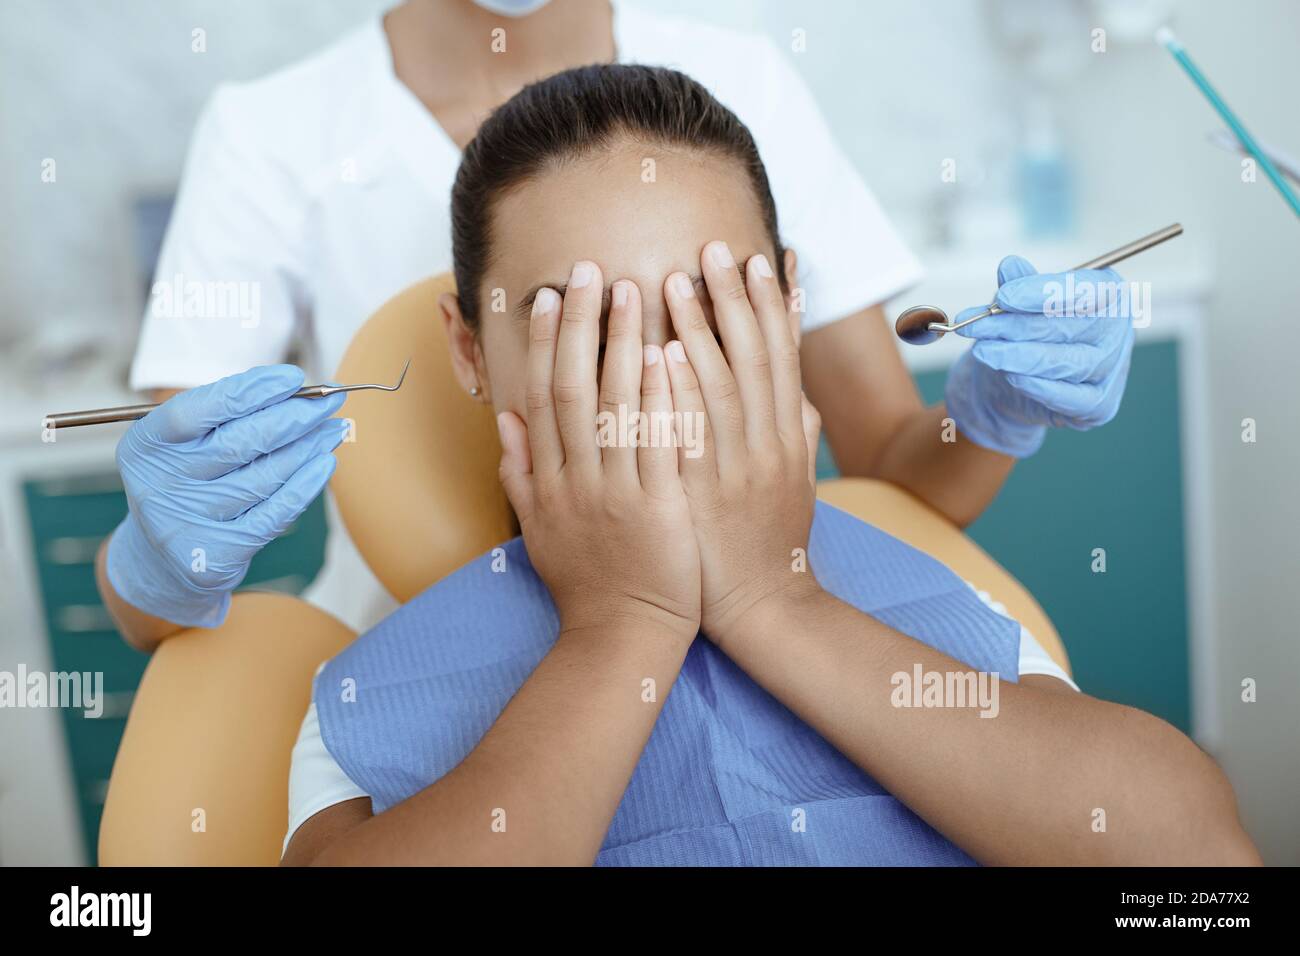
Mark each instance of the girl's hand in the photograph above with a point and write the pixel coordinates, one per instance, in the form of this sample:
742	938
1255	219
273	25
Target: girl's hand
608	529
752	491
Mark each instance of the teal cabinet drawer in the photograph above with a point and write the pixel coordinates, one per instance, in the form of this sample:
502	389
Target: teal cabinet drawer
92	742
92	748
1118	488
101	652
69	585
74	508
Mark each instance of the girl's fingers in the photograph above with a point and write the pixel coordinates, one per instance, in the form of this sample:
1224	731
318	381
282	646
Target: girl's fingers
516	468
796	325
812	433
656	449
783	350
718	386
620	381
575	368
695	460
539	399
747	352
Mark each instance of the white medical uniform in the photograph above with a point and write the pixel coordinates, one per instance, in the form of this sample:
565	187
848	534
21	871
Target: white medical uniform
326	187
317	782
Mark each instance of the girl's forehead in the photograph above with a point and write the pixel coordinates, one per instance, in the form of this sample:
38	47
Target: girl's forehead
639	212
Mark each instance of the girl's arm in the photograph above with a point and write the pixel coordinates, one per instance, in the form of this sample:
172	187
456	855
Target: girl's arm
609	532
1027	786
1054	777
542	785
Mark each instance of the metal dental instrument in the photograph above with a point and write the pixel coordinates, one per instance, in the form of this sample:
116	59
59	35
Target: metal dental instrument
129	413
923	324
1166	38
1286	165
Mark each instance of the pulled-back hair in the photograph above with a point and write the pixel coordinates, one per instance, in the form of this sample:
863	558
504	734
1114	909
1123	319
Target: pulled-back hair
574	113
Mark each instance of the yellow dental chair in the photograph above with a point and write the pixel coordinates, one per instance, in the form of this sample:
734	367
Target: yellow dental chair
201	777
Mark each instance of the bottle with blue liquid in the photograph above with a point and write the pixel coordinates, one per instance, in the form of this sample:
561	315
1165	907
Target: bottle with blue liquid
1045	181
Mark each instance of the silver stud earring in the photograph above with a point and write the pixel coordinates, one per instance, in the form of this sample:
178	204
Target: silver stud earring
475	391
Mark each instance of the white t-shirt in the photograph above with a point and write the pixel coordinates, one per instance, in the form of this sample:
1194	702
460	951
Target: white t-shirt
324	189
317	782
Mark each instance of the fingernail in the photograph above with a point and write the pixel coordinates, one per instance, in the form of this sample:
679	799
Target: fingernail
675	351
652	355
547	299
581	275
619	294
722	255
762	266
685	288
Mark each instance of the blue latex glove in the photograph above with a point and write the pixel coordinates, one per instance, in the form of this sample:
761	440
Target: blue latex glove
1052	358
211	476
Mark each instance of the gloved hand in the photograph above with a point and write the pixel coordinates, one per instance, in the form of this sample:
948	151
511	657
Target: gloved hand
1032	366
211	476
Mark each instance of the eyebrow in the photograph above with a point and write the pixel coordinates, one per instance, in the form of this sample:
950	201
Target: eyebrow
524	310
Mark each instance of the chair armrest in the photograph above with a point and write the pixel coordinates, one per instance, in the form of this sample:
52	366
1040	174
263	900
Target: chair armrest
909	519
212	729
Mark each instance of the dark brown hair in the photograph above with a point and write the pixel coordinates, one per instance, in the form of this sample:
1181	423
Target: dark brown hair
576	112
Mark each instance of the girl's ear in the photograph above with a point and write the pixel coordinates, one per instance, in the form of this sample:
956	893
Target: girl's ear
794	303
466	355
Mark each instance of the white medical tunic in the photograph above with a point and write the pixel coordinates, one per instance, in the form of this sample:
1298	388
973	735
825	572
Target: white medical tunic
312	196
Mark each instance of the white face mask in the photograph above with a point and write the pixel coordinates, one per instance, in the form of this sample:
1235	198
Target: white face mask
512	8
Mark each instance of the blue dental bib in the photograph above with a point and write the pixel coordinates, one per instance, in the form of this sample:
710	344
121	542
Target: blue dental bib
729	775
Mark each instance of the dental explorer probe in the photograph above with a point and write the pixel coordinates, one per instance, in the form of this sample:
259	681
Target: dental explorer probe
923	324
129	413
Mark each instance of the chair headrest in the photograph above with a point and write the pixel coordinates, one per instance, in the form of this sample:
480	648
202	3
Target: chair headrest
417	487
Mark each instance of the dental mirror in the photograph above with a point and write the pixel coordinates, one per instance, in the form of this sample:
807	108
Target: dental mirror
923	324
913	326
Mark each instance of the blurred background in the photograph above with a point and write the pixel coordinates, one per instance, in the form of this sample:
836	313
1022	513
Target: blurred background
1061	150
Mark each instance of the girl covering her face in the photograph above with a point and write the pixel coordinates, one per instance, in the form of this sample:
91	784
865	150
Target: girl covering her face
631	168
685	688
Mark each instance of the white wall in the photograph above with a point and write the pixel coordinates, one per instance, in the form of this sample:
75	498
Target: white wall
110	90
